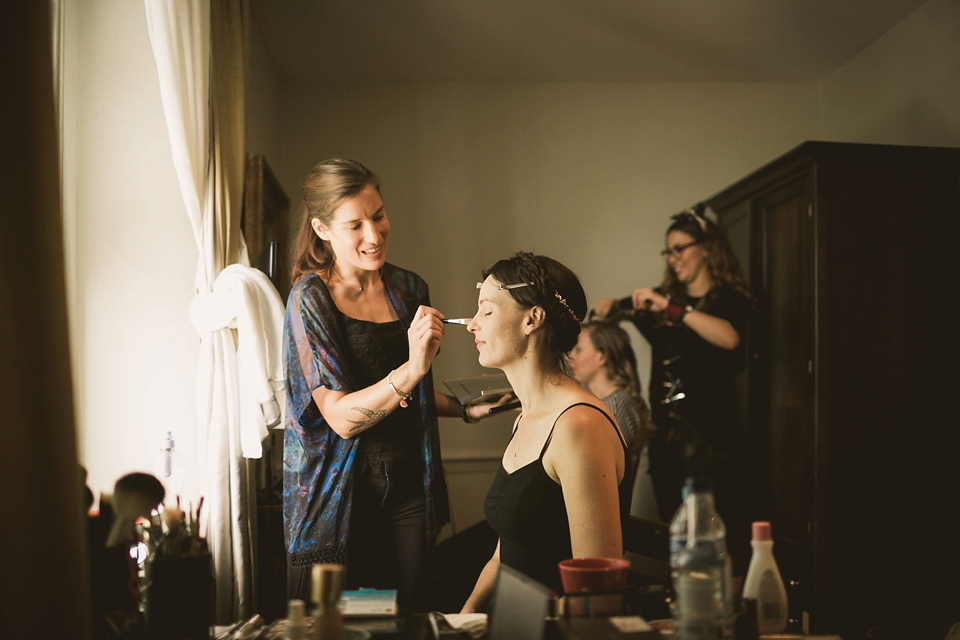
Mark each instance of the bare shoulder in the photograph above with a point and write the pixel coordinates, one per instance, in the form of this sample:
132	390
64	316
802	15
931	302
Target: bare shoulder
585	419
586	429
585	442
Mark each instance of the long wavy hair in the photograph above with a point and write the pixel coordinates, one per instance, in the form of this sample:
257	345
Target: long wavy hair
611	341
722	264
330	184
555	289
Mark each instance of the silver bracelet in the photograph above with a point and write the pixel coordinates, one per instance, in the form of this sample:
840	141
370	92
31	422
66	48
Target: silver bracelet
404	397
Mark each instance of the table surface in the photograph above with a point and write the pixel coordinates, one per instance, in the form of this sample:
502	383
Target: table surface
416	626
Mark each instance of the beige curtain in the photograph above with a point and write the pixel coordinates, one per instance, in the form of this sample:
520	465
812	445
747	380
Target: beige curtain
200	47
43	570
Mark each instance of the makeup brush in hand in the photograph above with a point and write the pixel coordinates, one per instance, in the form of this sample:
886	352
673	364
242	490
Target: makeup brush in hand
135	495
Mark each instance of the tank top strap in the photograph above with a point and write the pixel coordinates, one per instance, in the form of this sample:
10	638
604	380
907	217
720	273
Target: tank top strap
582	404
516	423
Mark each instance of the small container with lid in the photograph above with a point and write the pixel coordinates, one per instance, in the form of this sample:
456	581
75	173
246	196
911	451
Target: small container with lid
296	625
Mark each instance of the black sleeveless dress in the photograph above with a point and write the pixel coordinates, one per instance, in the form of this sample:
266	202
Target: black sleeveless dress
527	510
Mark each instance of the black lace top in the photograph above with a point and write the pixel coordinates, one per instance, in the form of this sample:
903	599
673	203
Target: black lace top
393	444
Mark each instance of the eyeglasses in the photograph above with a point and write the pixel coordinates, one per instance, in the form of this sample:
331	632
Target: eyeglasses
677	250
501	286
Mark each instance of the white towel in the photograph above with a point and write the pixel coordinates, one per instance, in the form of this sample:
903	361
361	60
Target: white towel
473	624
244	299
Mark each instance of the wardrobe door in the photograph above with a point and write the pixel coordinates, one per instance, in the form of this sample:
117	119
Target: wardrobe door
782	389
736	222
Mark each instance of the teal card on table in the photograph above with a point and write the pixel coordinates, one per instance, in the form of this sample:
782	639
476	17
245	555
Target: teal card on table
369	602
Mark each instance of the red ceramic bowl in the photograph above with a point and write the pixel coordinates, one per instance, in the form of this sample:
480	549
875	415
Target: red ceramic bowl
580	575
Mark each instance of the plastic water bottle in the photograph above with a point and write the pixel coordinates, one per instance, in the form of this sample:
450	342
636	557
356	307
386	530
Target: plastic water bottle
701	572
678	533
678	526
764	584
678	536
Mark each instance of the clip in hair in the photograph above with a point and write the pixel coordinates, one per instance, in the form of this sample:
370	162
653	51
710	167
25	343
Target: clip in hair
693	214
501	286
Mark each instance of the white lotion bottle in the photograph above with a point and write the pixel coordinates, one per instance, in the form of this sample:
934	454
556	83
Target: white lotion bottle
764	583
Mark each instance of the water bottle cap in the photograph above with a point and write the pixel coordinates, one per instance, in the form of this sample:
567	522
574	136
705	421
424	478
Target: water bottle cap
761	531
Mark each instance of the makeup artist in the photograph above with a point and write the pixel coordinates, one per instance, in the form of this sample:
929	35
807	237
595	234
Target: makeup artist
363	483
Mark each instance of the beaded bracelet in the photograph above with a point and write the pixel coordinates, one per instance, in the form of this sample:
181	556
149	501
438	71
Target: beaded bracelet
404	397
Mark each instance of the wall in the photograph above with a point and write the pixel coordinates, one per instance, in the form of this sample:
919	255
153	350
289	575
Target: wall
262	102
131	254
903	89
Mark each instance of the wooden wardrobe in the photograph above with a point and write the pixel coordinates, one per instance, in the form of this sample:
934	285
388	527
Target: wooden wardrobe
851	389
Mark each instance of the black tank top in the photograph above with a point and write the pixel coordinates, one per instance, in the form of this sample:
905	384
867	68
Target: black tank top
527	510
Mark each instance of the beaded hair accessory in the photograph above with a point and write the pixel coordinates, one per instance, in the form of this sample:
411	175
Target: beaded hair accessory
565	305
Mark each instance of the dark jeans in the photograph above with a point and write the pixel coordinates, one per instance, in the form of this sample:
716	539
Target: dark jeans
388	538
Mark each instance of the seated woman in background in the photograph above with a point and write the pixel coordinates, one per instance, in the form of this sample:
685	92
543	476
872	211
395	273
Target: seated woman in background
603	361
563	487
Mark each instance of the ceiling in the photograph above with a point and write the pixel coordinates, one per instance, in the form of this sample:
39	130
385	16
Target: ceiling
569	40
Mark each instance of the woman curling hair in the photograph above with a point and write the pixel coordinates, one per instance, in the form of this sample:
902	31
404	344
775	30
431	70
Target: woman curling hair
363	485
562	489
695	322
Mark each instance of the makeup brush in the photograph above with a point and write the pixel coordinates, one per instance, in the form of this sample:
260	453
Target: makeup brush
135	495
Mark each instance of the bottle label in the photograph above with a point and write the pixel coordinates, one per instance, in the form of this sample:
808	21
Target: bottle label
771	603
676	546
697	630
700	599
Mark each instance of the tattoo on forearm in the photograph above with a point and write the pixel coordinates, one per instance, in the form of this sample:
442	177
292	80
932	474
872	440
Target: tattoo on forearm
373	417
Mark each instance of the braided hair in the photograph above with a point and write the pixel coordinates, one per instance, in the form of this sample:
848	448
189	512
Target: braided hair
554	288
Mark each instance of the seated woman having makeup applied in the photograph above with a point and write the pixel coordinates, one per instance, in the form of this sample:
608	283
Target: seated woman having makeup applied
563	487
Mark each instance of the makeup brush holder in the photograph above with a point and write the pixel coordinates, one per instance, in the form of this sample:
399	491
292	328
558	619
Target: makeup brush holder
180	596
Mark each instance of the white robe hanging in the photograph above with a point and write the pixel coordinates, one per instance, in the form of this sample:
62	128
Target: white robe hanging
244	299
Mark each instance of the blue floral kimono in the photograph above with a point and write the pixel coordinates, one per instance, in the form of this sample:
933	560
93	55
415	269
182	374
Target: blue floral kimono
318	463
